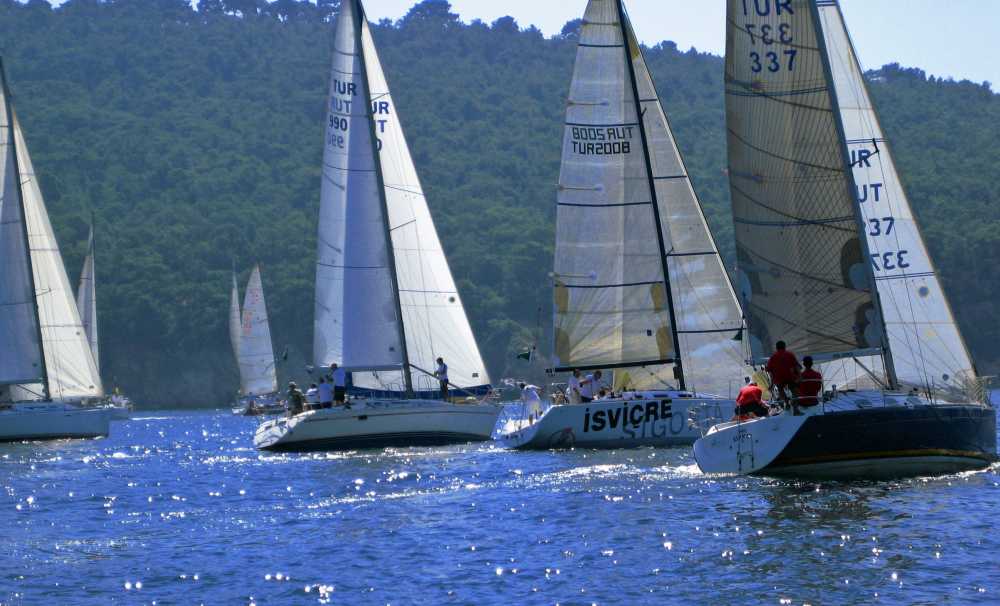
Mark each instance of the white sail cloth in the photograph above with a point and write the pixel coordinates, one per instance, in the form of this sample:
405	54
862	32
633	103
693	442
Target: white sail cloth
927	347
86	300
610	291
235	319
256	357
368	168
20	348
71	369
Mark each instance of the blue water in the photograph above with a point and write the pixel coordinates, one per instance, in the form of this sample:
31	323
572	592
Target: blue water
178	508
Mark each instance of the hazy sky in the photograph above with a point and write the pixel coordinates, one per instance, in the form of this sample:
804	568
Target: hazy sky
957	38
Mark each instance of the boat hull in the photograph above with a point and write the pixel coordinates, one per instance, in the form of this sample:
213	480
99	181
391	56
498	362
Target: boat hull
379	424
24	421
859	443
604	424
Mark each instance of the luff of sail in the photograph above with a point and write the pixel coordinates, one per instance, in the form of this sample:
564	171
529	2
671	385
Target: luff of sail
804	274
20	345
86	299
71	369
927	348
434	320
256	357
353	278
235	318
610	287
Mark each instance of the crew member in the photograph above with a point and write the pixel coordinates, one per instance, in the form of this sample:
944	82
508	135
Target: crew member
296	399
442	376
573	388
531	401
590	386
325	393
750	402
339	379
810	384
784	368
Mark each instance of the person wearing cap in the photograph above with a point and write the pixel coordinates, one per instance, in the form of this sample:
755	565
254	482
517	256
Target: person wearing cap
296	399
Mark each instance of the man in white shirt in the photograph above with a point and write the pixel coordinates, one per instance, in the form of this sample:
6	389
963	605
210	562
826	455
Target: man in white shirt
325	393
442	375
573	388
532	401
339	379
590	386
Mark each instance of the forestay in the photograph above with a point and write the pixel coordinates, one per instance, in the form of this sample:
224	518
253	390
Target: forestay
86	300
804	274
20	348
611	303
72	371
927	347
257	374
353	273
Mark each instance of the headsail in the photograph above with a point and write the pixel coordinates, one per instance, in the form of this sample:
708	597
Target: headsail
927	347
629	226
402	302
20	345
72	371
257	373
235	318
86	299
804	272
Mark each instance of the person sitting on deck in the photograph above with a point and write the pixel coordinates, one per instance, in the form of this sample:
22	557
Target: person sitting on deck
296	399
750	402
810	385
784	368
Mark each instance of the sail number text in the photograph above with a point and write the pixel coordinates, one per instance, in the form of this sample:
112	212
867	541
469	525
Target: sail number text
767	34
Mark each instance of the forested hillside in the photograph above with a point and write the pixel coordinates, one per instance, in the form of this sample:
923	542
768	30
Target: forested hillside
196	137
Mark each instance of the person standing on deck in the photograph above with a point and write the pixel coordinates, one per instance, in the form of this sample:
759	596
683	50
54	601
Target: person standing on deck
590	386
296	399
325	393
784	369
573	388
810	385
339	379
531	401
442	375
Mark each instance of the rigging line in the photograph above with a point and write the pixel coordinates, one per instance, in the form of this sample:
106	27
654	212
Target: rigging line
806	329
792	161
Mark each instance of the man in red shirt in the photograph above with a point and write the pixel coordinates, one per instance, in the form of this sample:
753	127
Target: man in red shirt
810	384
784	368
749	402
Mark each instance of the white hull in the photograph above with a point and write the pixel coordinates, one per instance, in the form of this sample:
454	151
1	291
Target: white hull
745	447
379	423
660	420
52	421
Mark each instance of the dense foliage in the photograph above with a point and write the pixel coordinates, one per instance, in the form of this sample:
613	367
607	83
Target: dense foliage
195	137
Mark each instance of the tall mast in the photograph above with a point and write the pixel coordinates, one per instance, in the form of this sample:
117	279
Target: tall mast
359	18
678	365
890	369
24	228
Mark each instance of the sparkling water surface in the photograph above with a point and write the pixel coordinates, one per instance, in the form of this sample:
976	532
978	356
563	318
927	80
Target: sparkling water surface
178	508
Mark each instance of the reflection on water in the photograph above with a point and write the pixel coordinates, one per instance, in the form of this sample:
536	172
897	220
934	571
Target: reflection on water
179	508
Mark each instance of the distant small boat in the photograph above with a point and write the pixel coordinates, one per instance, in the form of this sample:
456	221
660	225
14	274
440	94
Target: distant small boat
385	297
250	334
47	368
639	284
831	260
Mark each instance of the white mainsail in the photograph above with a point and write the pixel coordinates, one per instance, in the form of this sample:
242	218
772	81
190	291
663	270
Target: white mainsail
256	355
368	168
71	369
20	348
86	299
927	347
629	226
235	318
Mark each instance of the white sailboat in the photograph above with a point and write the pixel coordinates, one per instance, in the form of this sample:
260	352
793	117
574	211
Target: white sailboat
47	368
831	260
639	284
255	353
386	304
118	405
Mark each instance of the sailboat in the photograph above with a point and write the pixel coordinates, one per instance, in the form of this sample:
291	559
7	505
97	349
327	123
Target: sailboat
386	304
254	351
47	369
118	405
831	260
639	285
